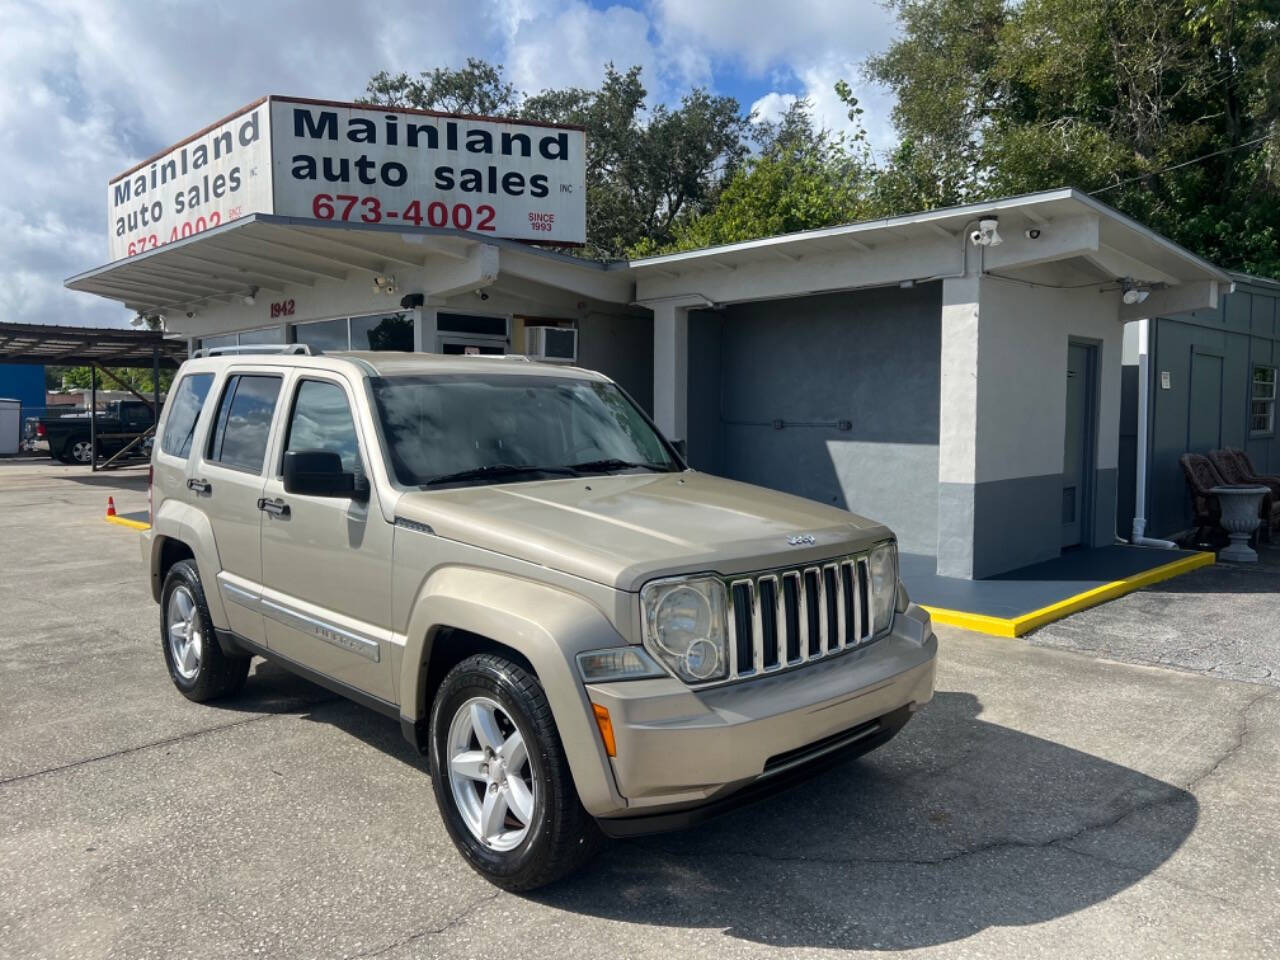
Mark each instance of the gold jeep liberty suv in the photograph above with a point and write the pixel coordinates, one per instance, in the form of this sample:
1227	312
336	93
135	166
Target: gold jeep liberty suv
586	637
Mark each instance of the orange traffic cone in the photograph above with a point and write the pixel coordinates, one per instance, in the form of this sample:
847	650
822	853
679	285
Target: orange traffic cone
111	506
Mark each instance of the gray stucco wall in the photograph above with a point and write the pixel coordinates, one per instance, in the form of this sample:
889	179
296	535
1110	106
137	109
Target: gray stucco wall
770	381
620	348
1243	331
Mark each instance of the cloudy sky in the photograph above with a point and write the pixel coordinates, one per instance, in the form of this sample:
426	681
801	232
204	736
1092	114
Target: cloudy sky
89	87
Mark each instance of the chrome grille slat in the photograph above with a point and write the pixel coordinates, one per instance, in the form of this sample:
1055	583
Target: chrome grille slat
815	611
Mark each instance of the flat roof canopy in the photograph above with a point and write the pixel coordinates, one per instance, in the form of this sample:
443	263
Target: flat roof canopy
81	346
266	252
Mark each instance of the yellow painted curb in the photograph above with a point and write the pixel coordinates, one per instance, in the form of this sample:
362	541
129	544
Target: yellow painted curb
126	522
1025	623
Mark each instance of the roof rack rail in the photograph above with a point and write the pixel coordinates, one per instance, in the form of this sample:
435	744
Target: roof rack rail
284	349
499	356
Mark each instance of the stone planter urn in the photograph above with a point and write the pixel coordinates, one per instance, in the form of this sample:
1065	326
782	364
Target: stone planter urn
1240	505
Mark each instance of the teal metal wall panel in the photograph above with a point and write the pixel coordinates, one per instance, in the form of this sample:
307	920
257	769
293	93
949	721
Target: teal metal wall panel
1192	348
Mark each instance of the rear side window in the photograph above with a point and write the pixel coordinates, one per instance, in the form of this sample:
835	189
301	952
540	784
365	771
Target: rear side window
187	402
244	422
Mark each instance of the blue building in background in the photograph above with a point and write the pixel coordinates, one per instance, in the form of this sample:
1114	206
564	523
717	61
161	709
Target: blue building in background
25	382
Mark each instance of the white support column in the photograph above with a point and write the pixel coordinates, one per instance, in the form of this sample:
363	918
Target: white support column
671	369
958	427
424	329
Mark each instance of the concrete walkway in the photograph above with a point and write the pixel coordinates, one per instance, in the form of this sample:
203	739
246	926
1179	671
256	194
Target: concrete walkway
1047	804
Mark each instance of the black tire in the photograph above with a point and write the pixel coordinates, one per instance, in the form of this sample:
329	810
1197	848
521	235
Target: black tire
561	836
68	451
216	674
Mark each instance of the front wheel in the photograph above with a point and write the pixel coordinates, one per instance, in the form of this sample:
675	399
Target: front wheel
501	778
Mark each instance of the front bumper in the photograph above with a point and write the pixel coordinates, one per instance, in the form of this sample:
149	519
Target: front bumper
682	750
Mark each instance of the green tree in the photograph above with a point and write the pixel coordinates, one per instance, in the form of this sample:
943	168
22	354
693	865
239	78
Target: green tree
998	98
478	88
77	378
801	178
648	169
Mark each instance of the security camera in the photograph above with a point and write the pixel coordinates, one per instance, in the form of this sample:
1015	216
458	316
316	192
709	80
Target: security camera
1032	234
986	235
190	314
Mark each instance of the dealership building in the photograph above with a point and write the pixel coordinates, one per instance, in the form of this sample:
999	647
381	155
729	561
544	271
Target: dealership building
956	374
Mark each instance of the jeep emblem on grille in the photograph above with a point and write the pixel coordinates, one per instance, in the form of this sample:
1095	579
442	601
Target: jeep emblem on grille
802	539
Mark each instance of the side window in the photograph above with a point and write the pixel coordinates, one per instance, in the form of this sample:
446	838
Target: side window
244	422
188	399
321	420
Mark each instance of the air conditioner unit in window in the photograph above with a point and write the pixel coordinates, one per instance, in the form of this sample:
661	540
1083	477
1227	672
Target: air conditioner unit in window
552	344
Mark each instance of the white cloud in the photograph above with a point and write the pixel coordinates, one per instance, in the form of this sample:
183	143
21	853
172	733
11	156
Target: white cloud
772	106
562	45
762	33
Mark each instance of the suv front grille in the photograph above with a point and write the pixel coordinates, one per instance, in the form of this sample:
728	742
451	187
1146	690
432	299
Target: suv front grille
786	618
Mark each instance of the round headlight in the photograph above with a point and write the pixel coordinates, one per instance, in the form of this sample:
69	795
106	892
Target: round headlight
684	626
683	616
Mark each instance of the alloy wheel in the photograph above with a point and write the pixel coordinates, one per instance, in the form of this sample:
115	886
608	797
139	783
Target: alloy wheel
489	774
185	639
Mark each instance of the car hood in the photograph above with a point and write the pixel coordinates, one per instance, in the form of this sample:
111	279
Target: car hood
622	530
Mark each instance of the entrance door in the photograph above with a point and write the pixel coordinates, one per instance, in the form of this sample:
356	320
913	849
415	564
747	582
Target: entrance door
1204	420
1077	454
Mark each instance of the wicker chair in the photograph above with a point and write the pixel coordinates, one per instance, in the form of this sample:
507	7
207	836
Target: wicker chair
1251	475
1201	477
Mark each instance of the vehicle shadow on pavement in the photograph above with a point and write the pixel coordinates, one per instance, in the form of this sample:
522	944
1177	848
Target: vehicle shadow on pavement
955	826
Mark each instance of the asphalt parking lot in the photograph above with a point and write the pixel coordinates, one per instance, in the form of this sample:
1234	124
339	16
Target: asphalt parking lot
1049	803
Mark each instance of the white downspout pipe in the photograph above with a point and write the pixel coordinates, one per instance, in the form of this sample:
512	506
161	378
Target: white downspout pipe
1144	393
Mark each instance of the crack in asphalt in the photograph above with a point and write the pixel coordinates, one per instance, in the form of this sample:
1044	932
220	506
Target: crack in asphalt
460	917
125	751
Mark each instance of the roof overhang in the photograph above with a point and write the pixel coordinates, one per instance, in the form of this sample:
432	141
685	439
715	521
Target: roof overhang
264	252
81	346
1083	240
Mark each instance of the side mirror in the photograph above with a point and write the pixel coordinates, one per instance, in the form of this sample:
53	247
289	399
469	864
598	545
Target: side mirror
317	473
682	448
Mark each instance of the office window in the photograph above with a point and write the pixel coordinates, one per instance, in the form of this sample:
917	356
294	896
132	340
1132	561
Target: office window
393	332
323	334
1262	405
244	422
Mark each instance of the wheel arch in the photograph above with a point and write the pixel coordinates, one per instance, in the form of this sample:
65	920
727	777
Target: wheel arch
541	627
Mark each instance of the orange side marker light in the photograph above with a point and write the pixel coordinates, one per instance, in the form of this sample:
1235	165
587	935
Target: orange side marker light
606	729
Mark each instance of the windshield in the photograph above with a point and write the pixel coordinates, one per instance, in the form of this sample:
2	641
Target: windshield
475	428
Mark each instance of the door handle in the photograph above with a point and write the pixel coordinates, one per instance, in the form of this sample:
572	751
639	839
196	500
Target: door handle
277	508
200	486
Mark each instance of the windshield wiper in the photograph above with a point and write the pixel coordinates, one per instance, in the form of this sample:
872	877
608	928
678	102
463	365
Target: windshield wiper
610	464
493	470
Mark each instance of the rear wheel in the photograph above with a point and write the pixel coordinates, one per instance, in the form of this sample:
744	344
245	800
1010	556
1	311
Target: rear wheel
197	665
78	450
501	778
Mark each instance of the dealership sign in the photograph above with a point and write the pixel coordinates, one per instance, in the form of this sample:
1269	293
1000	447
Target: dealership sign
361	165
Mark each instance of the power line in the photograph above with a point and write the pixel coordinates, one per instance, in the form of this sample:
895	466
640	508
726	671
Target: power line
1185	163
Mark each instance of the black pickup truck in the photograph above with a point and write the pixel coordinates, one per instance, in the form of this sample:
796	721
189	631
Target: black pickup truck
120	422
